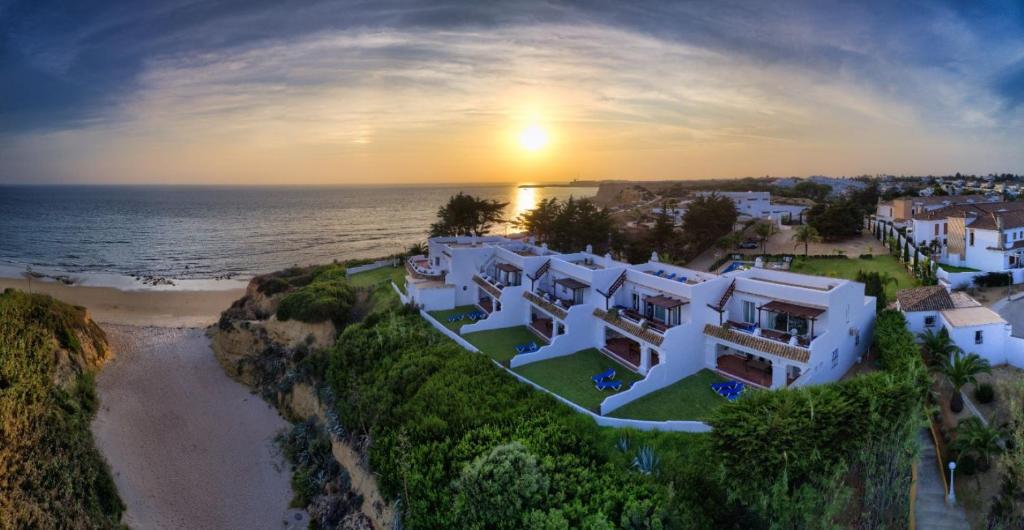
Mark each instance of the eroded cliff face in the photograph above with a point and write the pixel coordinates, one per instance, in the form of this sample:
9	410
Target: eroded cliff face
249	330
262	352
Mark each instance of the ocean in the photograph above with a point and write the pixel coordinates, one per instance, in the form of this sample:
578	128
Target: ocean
171	237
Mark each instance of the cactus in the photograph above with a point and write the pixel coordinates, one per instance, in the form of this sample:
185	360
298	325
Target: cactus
646	461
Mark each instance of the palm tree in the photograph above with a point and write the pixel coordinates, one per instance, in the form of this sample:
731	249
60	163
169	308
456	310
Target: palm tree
973	436
961	370
763	230
937	346
806	234
417	249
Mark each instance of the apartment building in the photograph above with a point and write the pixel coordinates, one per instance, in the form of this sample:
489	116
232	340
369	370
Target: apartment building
902	209
986	236
770	329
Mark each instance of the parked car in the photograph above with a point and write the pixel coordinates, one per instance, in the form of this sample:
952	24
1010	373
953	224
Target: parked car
749	244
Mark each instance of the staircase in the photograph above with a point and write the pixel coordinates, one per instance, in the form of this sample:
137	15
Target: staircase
930	508
541	271
725	298
615	286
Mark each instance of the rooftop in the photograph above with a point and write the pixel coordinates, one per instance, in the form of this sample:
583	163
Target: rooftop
972	316
929	298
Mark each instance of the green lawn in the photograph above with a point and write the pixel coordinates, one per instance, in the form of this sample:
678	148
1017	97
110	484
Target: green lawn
442	316
689	399
500	344
376	276
954	268
569	376
848	268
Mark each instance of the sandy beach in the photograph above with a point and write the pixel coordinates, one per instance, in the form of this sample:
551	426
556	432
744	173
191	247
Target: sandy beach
138	308
188	447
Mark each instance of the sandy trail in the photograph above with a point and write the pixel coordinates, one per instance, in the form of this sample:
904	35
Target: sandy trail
189	447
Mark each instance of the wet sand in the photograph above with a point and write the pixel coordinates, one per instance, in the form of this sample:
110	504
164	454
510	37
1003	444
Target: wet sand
188	447
139	308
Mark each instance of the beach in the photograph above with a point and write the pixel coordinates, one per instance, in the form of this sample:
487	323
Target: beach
188	446
161	308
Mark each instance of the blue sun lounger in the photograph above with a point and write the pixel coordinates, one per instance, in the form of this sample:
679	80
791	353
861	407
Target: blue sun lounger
607	374
609	385
455	318
730	390
527	348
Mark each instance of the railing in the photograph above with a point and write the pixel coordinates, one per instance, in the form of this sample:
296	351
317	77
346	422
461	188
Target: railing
491	289
559	312
635	329
416	271
758	343
638	319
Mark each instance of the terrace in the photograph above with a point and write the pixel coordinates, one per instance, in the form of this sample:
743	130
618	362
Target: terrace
500	344
570	376
419	267
454	325
690	398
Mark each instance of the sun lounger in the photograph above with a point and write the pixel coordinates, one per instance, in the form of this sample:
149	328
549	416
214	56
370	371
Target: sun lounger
681	279
671	276
659	273
455	318
607	374
608	385
527	348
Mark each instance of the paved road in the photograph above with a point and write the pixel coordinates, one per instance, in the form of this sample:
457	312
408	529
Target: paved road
1013	312
930	508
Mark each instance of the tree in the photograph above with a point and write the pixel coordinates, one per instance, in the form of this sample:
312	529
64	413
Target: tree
937	345
662	235
838	220
707	218
498	489
569	225
763	230
973	436
540	221
466	215
961	370
874	285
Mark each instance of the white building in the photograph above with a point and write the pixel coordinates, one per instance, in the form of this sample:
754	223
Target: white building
987	236
758	205
972	327
771	329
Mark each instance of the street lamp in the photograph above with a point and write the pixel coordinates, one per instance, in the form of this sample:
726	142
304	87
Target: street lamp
951	498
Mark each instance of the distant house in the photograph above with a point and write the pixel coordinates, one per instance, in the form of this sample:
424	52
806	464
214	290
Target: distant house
902	209
759	205
971	326
985	236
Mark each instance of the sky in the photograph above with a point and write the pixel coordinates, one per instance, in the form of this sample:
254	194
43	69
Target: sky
383	92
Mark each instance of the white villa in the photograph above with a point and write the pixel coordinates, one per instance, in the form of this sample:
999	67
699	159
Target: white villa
902	209
756	205
985	236
768	328
974	328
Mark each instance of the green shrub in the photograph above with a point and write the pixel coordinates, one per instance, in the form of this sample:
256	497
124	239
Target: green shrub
866	256
985	393
319	301
992	279
967	465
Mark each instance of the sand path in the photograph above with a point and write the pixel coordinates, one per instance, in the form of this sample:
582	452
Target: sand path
189	447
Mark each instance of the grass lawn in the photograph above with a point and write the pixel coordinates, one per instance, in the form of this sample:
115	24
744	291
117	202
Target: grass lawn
442	316
848	268
689	399
376	276
569	376
500	344
954	268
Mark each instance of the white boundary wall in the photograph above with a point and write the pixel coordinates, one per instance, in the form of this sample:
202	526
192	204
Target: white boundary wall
392	262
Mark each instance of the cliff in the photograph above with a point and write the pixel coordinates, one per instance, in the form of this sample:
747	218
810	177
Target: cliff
274	357
51	475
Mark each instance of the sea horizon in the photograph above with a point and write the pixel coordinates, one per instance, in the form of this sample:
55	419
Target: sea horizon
216	237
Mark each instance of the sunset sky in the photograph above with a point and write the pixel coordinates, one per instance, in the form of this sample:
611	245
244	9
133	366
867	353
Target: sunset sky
377	92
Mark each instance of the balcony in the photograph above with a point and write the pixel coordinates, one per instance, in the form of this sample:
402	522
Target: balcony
759	343
488	287
546	305
643	332
419	267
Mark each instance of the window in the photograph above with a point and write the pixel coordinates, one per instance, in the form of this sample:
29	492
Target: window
749	312
945	228
856	340
835	358
978	337
929	322
972	238
636	302
936	229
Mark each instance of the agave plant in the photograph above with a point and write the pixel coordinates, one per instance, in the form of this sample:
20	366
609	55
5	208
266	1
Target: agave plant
622	444
961	370
646	461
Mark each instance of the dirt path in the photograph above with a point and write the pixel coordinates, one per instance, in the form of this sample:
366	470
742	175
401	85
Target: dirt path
189	448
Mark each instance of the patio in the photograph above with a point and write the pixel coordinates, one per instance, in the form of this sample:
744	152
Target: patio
543	326
500	344
747	370
688	399
442	316
570	376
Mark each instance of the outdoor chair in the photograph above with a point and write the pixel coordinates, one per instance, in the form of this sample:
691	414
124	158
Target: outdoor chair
671	276
607	374
608	385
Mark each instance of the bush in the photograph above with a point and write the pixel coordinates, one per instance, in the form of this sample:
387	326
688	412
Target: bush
985	393
967	465
866	256
992	279
319	301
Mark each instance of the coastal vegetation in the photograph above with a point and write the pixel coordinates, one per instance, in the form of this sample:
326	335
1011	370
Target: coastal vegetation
466	215
51	474
569	225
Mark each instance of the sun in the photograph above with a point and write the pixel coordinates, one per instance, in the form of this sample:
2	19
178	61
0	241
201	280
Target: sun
533	138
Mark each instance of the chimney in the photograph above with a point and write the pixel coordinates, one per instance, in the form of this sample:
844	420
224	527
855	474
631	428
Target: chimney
999	230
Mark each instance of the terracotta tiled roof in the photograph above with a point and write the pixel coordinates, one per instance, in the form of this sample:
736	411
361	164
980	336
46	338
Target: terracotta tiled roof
972	210
629	327
931	298
761	344
559	312
962	299
1011	219
492	290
